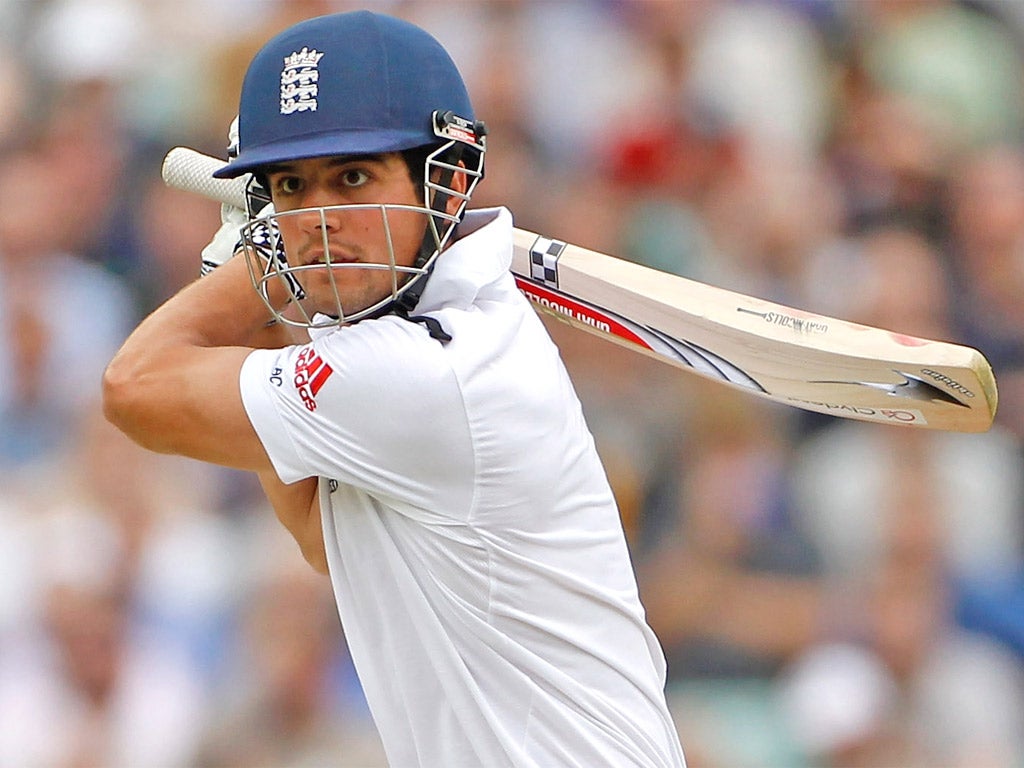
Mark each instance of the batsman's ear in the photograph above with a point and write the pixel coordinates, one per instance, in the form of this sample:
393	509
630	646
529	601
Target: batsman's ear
459	183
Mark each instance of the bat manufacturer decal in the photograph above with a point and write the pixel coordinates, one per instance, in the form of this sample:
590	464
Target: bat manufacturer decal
956	386
544	260
651	339
799	324
866	412
542	289
911	388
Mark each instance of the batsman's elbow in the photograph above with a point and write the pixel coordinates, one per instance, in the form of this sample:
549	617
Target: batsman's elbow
123	405
317	560
116	393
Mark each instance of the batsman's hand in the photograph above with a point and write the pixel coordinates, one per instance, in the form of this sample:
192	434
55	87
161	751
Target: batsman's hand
227	241
261	235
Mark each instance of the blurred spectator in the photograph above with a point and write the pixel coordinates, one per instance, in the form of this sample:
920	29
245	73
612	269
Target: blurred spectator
986	209
290	696
169	228
728	582
159	510
952	60
902	519
163	511
979	493
83	687
761	67
729	588
960	696
63	316
841	702
890	158
77	41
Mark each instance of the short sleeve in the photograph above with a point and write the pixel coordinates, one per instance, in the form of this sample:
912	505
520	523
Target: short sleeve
375	405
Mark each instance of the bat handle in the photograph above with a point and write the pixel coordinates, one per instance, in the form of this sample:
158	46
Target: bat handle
192	171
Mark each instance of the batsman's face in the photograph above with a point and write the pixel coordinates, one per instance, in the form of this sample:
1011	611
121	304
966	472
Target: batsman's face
351	238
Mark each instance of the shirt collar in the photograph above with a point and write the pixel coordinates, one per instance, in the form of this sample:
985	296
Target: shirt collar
480	254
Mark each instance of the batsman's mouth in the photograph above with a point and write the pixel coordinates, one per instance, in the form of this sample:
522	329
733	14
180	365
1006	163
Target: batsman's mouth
320	257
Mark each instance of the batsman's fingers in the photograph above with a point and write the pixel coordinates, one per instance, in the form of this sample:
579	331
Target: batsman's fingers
225	241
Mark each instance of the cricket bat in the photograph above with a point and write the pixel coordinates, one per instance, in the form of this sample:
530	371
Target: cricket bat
810	361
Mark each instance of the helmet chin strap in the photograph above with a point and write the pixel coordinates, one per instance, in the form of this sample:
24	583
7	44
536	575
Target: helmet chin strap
406	303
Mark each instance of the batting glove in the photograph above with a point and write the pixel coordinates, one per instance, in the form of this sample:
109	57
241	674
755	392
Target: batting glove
225	242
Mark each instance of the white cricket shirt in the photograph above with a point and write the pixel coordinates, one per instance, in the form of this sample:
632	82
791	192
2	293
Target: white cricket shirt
475	549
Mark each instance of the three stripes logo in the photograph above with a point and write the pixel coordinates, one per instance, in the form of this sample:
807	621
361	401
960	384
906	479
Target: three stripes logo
311	372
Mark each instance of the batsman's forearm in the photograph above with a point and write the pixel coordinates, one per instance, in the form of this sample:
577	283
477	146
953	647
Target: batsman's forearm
219	310
297	507
162	386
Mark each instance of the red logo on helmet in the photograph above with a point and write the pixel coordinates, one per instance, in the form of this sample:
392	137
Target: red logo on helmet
310	374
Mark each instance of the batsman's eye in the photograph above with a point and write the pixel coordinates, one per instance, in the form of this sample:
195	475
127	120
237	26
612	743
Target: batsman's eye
354	177
288	185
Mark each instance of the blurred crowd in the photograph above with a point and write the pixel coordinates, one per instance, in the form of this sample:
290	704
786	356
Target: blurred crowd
829	593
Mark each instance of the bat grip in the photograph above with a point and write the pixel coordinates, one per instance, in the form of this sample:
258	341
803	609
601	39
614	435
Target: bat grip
192	171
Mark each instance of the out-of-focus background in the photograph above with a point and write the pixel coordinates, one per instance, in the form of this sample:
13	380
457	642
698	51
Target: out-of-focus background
828	593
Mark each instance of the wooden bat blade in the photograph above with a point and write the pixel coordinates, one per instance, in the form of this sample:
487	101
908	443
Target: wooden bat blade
814	362
787	355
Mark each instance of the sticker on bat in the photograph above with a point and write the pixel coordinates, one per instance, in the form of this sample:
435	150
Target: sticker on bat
676	350
911	388
544	255
887	415
944	379
808	325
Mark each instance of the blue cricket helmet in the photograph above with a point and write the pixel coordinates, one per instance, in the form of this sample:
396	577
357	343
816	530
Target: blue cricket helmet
346	83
